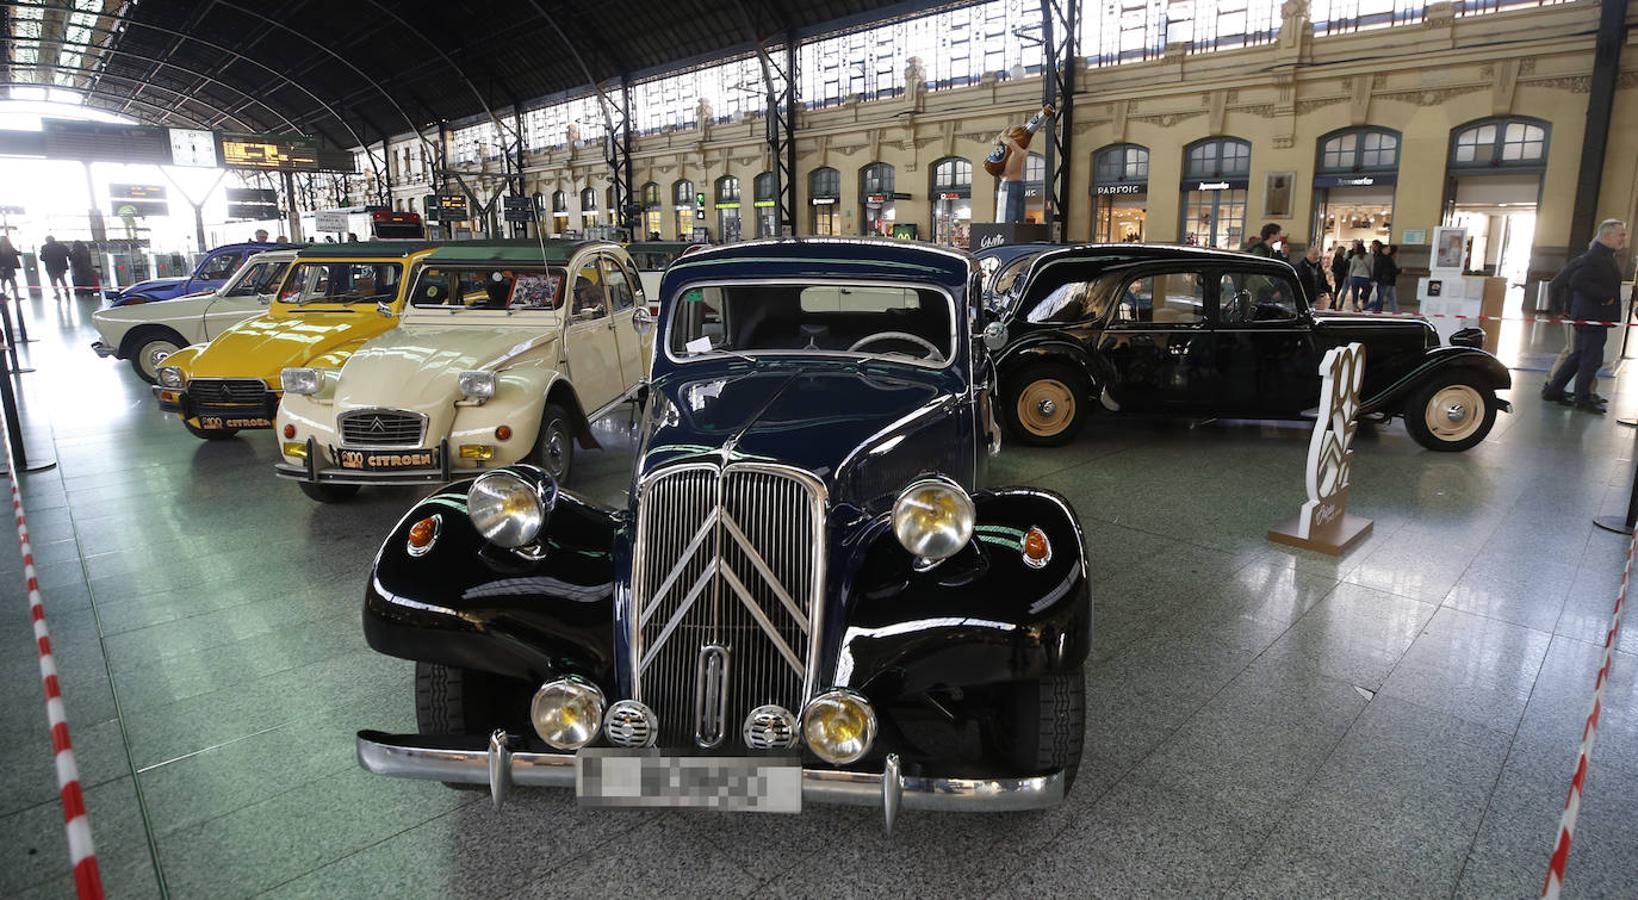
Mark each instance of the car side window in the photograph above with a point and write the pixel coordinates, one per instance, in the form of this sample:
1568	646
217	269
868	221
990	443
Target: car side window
1168	298
619	288
1247	298
590	298
221	266
1067	303
255	280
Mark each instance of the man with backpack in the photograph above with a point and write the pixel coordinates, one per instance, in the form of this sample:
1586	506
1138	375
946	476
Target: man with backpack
1594	287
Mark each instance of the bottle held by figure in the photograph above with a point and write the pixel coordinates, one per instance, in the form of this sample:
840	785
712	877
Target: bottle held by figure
996	162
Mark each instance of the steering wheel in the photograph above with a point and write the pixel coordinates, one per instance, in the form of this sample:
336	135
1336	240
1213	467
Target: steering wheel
932	351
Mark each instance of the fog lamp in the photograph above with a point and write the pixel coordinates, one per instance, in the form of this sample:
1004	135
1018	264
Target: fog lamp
567	713
477	451
839	726
933	518
170	376
1037	550
423	534
630	723
477	384
298	449
304	382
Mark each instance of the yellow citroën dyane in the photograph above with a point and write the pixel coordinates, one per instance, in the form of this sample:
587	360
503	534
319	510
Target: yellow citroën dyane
334	298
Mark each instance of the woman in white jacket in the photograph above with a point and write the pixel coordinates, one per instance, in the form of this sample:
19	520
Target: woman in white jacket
1361	271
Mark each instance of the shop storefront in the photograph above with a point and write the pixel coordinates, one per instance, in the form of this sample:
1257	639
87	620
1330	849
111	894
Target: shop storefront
1355	174
588	210
682	202
560	212
1120	193
952	192
727	204
652	211
824	196
766	205
1493	188
877	210
1216	176
1035	188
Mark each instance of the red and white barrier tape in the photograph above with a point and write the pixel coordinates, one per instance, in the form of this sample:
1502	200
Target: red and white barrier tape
81	854
1572	803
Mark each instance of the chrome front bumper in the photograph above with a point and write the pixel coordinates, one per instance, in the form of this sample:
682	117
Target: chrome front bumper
461	761
102	349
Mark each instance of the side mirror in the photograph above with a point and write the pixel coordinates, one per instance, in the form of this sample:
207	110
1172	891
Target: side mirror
384	310
995	335
641	321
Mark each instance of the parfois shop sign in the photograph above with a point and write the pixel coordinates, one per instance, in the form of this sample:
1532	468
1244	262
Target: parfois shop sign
1131	188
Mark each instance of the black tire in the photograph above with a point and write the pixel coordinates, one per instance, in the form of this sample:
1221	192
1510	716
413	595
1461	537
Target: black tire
209	434
1057	396
1041	725
554	445
147	349
328	493
1431	410
455	701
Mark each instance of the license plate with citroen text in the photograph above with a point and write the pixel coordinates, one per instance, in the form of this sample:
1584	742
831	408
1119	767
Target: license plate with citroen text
605	776
387	460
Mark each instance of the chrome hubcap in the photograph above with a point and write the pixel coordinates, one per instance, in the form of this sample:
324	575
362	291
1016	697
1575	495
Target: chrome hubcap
1047	407
1455	412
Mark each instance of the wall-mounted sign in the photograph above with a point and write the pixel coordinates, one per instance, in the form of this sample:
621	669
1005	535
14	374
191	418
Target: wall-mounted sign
954	195
875	199
266	151
64	139
765	204
1124	189
1416	236
137	191
824	201
330	220
193	147
1221	184
1334	181
1323	524
449	207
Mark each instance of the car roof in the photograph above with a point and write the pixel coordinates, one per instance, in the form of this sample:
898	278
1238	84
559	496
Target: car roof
818	257
258	245
1111	255
364	250
663	245
512	251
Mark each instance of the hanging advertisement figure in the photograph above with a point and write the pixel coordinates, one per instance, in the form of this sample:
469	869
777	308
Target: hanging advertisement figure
1007	162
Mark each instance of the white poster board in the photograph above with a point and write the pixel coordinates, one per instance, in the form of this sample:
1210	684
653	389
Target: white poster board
330	220
1449	255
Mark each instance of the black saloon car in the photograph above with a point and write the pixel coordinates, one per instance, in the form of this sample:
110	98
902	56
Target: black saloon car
809	595
1178	331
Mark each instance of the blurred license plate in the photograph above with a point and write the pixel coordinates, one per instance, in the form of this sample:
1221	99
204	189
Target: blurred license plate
615	777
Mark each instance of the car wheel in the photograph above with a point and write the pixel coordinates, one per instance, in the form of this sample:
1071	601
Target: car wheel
1041	724
209	434
554	448
1450	413
328	493
456	701
1046	405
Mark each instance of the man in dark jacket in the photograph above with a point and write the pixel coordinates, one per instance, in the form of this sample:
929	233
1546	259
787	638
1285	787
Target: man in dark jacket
54	254
1311	272
1595	297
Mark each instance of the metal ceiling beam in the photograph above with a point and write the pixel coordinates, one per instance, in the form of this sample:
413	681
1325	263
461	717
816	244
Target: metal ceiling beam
289	75
438	49
53	86
176	42
132	98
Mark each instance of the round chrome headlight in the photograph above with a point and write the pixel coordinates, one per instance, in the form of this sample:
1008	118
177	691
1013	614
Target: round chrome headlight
506	509
933	518
839	726
170	376
567	713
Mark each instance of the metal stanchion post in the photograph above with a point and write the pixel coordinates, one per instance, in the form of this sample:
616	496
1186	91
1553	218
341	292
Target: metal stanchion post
11	344
14	423
22	323
1620	524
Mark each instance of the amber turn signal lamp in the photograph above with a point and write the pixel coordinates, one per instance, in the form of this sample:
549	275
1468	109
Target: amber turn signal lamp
168	396
1036	548
503	432
289	431
422	534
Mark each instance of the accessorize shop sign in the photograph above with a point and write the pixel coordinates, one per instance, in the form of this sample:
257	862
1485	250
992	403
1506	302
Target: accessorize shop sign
1123	189
1218	184
1336	181
1323	522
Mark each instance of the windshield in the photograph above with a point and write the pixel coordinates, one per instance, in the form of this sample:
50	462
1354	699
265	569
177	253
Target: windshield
341	282
257	278
900	322
650	260
488	288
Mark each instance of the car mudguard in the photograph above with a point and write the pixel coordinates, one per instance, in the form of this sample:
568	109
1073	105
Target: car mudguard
983	616
1488	371
1048	349
470	604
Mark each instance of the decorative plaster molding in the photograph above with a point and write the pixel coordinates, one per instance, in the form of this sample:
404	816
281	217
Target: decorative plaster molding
1308	105
1434	97
1575	84
1167	120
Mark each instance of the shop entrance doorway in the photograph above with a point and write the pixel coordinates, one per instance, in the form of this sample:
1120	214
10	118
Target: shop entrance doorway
1347	214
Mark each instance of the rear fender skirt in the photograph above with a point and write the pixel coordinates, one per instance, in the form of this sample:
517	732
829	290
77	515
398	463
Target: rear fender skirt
1488	371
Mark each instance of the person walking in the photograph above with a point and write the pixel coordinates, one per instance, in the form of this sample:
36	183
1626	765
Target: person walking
1266	240
1361	269
1385	277
1595	297
1311	272
54	256
1558	307
1339	274
81	268
10	262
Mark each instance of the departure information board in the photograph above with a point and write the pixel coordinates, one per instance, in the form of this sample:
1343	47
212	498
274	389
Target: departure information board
266	151
102	141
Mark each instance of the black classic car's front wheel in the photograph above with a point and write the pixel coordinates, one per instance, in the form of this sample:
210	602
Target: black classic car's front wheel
1046	404
1042	724
1451	413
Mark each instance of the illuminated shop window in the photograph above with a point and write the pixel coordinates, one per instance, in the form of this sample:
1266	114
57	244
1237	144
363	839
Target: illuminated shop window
952	201
653	214
1215	179
682	201
824	196
767	212
878	211
1120	193
727	205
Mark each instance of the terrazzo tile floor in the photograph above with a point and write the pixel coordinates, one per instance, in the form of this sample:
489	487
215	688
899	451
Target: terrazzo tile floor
1261	721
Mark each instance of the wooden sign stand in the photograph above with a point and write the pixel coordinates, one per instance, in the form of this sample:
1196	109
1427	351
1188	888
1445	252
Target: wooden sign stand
1324	523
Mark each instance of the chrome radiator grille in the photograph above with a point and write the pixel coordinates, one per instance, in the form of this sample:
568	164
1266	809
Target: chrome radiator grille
381	428
226	391
730	559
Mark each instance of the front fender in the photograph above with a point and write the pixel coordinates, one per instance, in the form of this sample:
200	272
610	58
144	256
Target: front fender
469	604
980	617
1487	370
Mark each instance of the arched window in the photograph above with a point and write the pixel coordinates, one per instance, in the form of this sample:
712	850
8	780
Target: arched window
1359	150
1218	157
953	175
876	178
767	213
1035	169
588	200
682	196
878	210
727	189
764	186
1121	163
651	196
952	201
1502	142
652	216
682	192
560	201
824	183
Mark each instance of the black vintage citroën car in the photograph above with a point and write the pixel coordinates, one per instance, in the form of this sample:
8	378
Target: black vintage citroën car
809	595
1135	329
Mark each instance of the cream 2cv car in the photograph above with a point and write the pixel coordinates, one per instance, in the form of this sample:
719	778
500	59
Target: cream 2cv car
505	354
147	333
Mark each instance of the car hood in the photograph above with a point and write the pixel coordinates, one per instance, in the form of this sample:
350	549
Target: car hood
416	366
151	284
262	346
864	431
180	308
